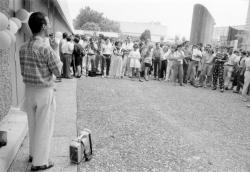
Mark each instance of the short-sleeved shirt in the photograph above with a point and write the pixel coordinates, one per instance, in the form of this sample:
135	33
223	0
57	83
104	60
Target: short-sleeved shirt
197	55
38	63
157	53
247	64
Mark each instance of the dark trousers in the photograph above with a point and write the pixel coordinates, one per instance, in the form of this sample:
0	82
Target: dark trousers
67	59
106	60
98	58
218	71
164	64
238	80
178	72
185	71
157	67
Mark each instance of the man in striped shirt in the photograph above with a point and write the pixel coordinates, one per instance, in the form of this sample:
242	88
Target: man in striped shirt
39	63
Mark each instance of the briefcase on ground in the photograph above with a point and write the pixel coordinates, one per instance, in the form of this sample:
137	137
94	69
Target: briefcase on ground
3	138
81	147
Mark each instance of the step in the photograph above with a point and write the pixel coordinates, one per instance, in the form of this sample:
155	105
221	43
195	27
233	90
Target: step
16	125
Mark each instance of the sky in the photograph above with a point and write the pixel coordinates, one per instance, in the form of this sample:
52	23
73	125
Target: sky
175	14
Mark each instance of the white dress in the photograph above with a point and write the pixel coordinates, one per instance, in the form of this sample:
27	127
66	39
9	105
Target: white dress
135	59
116	64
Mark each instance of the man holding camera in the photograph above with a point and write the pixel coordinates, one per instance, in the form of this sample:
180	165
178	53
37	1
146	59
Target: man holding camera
39	63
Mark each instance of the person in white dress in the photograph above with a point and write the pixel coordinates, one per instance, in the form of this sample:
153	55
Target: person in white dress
135	64
116	61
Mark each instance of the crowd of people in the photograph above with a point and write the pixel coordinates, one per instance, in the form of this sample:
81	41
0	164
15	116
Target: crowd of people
46	55
198	65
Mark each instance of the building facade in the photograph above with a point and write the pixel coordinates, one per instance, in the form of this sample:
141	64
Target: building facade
202	25
135	29
233	36
247	27
11	85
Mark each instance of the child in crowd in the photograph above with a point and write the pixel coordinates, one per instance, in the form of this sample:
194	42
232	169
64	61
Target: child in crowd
135	65
164	62
148	61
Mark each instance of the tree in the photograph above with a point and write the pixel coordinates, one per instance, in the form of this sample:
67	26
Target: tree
145	35
91	26
87	15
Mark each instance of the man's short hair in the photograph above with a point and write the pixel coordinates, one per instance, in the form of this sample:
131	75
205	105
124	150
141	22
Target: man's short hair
65	35
36	22
76	40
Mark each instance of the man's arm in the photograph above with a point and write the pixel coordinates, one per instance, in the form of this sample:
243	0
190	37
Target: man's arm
54	64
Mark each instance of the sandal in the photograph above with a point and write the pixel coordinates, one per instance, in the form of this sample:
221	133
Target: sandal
42	167
30	159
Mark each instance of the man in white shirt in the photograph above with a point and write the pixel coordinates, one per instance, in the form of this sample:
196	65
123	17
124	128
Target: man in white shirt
106	58
67	50
196	58
62	41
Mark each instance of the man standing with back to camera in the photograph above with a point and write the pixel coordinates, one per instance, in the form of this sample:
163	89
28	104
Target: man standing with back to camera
38	64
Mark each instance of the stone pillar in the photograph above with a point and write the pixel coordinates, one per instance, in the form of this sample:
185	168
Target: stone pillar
5	71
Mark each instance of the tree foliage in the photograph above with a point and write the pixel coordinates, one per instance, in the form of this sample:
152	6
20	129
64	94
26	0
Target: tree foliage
87	15
145	35
91	26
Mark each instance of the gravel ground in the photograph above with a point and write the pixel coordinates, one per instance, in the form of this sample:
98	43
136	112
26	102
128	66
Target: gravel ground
155	126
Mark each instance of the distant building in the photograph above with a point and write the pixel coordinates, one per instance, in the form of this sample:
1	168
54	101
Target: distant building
247	27
135	29
202	25
229	36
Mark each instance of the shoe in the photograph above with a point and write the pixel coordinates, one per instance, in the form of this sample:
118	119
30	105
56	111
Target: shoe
214	88
226	88
69	77
42	167
244	99
248	106
140	80
235	91
222	90
30	159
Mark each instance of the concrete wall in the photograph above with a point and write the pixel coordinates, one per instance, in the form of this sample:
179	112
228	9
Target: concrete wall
5	72
202	26
47	7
